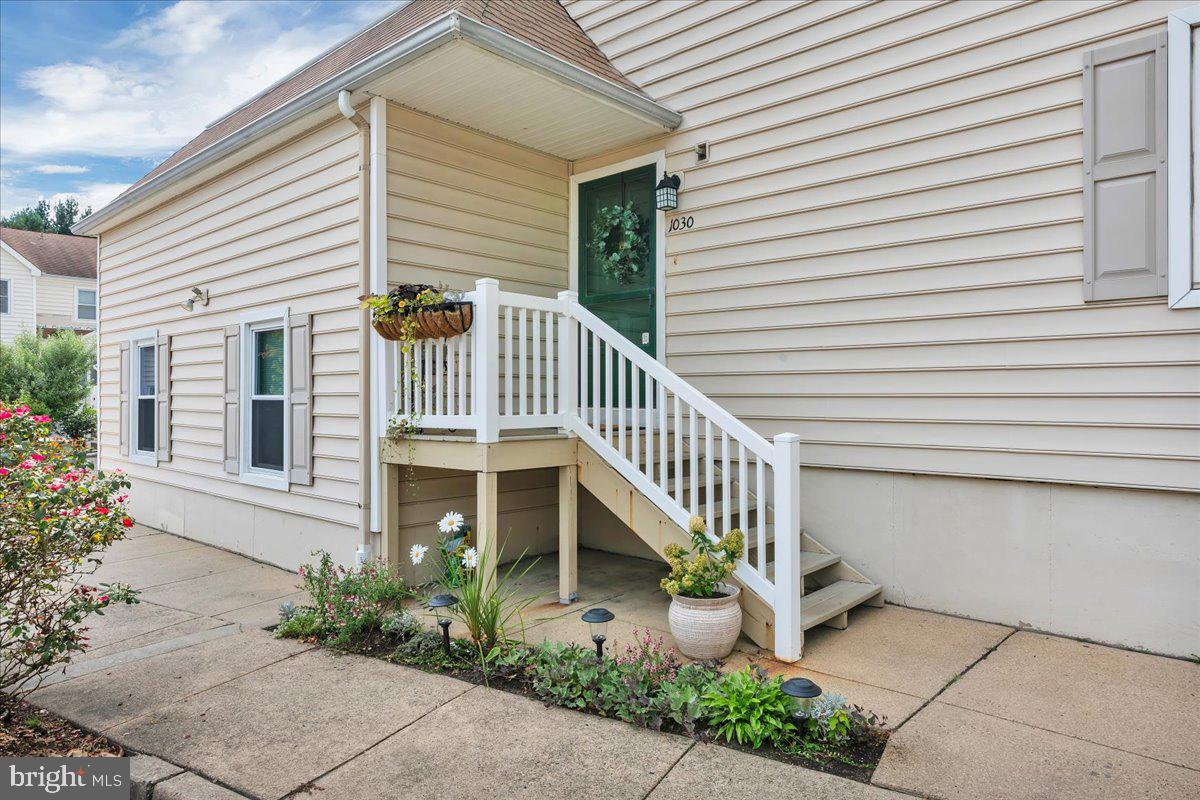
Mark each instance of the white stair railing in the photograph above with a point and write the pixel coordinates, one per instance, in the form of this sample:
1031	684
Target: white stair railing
533	362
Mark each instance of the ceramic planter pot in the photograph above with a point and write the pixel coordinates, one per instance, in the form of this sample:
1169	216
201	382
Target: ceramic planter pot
706	628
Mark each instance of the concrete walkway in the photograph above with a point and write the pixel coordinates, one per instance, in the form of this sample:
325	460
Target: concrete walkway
981	711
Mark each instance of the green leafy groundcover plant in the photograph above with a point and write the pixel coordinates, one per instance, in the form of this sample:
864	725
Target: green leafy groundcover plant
57	517
347	607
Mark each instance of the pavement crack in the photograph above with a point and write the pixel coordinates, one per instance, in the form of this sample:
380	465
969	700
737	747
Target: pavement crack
667	772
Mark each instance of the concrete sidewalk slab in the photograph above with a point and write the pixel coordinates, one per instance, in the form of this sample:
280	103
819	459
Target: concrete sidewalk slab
710	770
1131	701
260	615
142	546
192	787
271	730
101	700
915	652
951	752
163	568
122	622
221	592
489	743
189	628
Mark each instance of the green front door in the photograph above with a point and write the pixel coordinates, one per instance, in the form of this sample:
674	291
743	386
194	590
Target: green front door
626	303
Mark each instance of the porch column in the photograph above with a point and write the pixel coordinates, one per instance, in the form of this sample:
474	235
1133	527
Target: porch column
389	537
568	534
487	540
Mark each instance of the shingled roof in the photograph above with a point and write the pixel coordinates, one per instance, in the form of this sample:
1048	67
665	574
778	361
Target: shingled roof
54	253
542	23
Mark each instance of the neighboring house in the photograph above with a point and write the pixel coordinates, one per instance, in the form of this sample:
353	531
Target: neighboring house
47	283
951	246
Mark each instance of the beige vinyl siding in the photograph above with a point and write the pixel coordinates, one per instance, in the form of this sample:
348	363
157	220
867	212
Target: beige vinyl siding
280	230
56	301
21	288
464	206
887	249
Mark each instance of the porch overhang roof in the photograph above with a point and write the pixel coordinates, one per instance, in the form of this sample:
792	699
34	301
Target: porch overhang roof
469	73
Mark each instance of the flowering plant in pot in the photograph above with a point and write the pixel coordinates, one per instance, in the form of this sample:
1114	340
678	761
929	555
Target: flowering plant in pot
705	617
414	311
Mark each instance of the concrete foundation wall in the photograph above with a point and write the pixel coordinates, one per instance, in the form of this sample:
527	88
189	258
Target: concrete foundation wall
1120	566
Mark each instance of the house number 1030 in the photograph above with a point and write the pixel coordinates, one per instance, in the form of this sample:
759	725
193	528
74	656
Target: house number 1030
681	224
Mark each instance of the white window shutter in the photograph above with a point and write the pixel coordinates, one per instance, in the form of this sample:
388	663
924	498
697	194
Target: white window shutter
233	375
1125	170
299	349
123	425
162	393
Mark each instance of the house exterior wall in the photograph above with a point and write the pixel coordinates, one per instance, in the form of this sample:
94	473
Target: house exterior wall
21	316
56	302
279	230
462	206
886	258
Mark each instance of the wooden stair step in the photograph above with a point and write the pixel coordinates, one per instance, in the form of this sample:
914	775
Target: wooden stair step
810	562
836	598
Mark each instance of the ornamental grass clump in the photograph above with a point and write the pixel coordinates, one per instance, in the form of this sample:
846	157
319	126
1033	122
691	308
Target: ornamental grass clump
710	563
57	517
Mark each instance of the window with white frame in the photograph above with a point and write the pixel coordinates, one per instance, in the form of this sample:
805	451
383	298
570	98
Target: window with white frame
264	412
5	296
143	391
1183	166
85	305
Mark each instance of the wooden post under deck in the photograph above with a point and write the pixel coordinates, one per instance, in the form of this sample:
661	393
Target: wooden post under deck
487	539
389	537
568	534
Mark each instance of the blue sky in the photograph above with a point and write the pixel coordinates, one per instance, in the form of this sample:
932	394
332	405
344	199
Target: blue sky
93	94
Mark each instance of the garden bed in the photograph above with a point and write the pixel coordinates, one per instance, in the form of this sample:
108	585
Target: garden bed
27	731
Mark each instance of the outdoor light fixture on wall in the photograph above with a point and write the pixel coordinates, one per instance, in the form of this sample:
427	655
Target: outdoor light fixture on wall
597	620
439	601
199	297
666	193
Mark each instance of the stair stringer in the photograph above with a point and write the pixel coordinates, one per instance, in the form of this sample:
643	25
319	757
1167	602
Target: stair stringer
658	530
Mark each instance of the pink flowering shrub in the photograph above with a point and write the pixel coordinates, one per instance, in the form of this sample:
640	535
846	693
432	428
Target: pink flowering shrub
347	605
57	516
651	657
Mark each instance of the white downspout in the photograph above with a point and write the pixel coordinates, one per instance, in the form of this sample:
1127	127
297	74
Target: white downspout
365	448
381	380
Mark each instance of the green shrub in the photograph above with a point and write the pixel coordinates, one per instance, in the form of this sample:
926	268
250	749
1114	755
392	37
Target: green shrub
51	375
749	708
300	625
351	605
831	720
709	563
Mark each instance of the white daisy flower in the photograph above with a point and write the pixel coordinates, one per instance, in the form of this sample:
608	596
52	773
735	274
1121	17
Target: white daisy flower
451	523
470	558
417	553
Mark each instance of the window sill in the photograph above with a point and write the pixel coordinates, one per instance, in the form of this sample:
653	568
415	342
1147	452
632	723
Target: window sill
147	459
278	482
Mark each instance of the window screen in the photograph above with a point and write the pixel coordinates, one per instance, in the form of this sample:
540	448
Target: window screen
266	404
85	307
145	399
4	300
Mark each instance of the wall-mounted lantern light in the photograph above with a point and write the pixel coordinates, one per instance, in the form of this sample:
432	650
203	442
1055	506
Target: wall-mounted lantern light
597	620
666	193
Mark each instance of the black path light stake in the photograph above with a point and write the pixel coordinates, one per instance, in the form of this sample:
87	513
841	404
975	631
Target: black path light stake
443	601
597	620
805	691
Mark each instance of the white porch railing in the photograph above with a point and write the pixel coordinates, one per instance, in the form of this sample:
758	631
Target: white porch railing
536	362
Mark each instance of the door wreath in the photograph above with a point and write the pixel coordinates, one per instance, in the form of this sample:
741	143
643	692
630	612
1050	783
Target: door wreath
618	242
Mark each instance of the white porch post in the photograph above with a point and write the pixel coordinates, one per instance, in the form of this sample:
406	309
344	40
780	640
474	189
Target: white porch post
568	357
789	636
485	361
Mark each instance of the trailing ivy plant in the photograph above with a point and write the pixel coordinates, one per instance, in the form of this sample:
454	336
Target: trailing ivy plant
619	242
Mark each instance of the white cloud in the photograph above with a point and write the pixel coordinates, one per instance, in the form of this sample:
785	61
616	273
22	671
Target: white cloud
167	77
96	195
14	195
59	169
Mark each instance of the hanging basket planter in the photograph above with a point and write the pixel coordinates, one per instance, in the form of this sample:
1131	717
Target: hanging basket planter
415	311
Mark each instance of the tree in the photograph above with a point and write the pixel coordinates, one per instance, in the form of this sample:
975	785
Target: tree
51	375
41	217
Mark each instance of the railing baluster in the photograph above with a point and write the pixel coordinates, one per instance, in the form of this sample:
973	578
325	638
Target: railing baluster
451	375
608	390
709	468
760	516
743	518
462	374
427	377
726	489
649	412
635	437
523	389
662	437
620	405
536	405
692	460
594	395
508	361
679	477
439	384
406	360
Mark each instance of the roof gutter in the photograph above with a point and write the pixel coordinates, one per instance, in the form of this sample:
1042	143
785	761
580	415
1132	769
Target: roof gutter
444	29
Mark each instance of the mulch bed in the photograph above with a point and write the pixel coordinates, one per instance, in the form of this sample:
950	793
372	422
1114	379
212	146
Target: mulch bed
856	761
26	730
